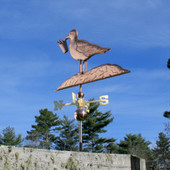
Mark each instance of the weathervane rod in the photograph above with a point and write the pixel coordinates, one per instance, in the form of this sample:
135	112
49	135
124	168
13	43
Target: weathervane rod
80	122
80	136
80	72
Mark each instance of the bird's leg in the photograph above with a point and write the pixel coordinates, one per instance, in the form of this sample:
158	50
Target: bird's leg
80	68
86	66
83	68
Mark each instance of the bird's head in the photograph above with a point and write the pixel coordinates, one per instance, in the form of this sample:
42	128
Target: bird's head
72	35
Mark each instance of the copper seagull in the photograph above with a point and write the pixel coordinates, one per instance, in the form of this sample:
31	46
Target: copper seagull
83	50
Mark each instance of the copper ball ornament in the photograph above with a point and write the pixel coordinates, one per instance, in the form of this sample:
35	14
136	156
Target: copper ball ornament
80	114
80	95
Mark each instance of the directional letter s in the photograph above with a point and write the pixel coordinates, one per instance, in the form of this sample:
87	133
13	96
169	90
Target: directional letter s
104	100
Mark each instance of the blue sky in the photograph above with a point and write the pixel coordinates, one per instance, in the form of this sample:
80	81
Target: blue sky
32	65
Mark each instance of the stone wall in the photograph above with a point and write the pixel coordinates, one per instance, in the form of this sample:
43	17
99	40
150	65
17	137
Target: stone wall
19	158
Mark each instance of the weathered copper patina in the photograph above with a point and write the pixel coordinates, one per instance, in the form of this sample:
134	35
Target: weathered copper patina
97	73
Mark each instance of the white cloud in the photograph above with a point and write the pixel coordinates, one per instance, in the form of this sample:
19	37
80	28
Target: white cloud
134	23
138	81
33	72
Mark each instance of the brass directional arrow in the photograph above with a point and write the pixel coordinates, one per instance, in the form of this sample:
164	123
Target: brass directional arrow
81	102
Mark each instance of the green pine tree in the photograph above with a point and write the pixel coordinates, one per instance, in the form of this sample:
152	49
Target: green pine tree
68	137
168	63
135	145
43	132
162	152
93	126
167	114
167	124
111	148
8	137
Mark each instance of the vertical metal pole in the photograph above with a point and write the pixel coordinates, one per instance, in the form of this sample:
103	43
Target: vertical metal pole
80	71
80	136
80	122
80	88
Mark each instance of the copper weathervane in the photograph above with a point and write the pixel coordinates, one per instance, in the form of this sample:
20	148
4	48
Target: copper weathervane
82	51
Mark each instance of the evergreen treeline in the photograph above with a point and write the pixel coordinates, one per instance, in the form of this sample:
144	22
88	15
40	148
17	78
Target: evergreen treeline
52	132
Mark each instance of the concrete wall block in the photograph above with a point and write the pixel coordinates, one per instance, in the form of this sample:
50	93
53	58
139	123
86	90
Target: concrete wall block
20	158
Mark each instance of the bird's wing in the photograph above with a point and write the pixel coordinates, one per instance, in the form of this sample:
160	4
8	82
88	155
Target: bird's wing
89	49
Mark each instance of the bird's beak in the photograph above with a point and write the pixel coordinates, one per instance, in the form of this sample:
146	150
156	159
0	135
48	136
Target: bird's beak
66	38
